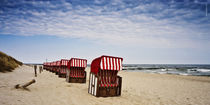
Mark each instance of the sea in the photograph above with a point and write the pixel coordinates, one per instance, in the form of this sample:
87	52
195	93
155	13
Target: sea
177	69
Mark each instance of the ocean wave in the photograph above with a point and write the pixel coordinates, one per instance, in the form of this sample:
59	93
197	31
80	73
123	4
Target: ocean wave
198	70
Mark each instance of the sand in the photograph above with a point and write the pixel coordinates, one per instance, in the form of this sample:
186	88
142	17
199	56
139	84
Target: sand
138	89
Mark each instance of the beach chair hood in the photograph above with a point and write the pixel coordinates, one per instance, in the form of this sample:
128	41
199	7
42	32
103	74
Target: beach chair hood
106	63
76	62
64	62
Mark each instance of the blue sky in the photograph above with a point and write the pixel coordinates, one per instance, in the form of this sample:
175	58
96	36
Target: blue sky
140	31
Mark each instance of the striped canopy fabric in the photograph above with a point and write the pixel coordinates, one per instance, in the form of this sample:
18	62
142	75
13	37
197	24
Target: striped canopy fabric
106	63
111	63
64	62
76	62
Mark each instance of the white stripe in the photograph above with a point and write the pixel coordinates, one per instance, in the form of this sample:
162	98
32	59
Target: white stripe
120	64
85	62
111	66
80	63
114	67
104	63
117	66
75	62
101	64
72	62
108	63
95	90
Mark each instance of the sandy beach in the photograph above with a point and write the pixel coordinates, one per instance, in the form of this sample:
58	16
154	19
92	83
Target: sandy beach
138	89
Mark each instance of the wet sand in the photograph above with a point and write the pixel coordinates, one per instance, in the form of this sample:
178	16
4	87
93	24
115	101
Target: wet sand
138	89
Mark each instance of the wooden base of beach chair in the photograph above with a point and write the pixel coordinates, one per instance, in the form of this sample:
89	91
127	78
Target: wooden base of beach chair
97	91
77	80
107	91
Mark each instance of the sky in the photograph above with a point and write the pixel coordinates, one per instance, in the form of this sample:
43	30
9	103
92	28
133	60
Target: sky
140	31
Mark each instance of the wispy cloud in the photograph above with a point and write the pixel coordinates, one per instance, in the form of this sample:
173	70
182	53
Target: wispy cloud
121	22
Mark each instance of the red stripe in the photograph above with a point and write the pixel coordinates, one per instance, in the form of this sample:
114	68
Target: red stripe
77	63
102	63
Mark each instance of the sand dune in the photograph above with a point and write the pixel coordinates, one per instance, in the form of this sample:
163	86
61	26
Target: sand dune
138	89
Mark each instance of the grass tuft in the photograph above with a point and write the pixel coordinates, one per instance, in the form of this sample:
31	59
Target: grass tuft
8	63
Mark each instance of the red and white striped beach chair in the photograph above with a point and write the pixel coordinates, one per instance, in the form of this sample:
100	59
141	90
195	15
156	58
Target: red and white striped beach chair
51	67
54	67
63	68
44	65
57	67
47	66
103	80
76	70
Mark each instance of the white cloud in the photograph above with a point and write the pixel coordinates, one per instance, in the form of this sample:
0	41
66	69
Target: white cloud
114	27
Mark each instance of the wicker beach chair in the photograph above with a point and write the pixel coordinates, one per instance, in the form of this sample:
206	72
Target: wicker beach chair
76	70
54	67
50	66
63	68
103	79
57	67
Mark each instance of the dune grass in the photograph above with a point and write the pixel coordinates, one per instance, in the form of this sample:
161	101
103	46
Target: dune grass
8	63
